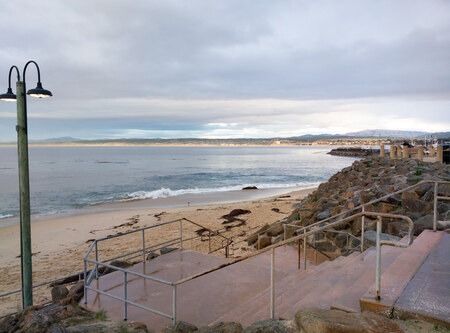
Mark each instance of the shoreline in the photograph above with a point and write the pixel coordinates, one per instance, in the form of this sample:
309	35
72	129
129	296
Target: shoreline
177	201
60	244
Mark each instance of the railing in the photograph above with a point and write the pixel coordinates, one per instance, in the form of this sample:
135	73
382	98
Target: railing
302	234
94	273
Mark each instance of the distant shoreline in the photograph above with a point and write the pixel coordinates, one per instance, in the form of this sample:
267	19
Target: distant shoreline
119	144
68	144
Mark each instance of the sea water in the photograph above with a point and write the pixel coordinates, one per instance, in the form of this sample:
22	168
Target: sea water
75	177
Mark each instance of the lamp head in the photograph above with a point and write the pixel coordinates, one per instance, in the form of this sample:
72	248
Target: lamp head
9	96
39	92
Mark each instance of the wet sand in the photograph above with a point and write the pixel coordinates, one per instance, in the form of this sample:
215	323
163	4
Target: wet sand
60	244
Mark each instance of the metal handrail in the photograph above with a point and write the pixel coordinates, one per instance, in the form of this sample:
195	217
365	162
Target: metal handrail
94	273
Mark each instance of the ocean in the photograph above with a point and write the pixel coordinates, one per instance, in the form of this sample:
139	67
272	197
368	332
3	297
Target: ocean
64	179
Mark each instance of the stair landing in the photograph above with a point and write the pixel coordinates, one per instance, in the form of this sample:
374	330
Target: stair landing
198	300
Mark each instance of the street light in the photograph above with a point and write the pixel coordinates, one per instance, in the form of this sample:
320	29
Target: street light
24	179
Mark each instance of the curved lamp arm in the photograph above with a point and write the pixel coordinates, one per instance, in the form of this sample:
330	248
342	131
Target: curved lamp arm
9	95
38	91
9	76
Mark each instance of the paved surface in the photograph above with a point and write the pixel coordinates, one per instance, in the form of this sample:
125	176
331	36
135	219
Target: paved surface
198	300
427	295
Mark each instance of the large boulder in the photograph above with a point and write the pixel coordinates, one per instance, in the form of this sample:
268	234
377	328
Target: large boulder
323	215
315	320
275	230
59	293
426	222
271	326
221	327
180	327
263	242
254	237
166	250
371	237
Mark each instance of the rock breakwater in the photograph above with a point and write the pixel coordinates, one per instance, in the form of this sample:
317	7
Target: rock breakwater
362	182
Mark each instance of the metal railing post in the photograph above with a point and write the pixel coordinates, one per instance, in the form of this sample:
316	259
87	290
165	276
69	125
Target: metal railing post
85	279
378	269
209	242
96	259
315	250
363	220
143	245
174	305
435	206
272	284
125	304
346	249
304	249
181	234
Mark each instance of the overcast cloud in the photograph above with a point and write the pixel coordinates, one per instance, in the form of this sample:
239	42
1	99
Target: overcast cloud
228	68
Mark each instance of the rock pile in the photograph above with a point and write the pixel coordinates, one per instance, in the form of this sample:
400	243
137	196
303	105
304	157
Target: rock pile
364	181
308	320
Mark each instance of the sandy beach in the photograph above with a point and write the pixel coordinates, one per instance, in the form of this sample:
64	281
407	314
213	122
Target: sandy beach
59	244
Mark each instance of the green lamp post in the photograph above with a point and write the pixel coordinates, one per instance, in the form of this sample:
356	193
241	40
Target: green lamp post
24	180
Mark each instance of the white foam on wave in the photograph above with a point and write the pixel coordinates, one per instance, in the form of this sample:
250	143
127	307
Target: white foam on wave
167	192
5	216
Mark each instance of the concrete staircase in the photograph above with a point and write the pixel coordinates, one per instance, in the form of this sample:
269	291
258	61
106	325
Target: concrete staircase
347	283
241	292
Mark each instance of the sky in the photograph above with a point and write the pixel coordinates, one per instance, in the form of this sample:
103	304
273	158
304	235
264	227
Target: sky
227	69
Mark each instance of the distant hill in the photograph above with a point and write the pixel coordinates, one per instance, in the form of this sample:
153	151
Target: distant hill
57	140
441	135
378	133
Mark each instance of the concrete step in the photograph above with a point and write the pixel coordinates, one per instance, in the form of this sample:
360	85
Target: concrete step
400	272
253	305
290	290
348	299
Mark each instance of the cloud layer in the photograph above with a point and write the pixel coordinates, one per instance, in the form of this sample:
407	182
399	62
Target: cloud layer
229	68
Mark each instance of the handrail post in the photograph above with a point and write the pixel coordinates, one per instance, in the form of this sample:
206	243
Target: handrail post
272	283
299	249
96	259
125	304
346	249
435	206
181	234
143	245
315	250
363	220
378	269
174	305
209	242
85	279
304	249
284	231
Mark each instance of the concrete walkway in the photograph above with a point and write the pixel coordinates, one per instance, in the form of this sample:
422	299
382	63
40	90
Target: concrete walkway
427	295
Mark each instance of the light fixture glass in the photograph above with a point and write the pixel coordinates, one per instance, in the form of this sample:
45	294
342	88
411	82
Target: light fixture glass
9	96
39	92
